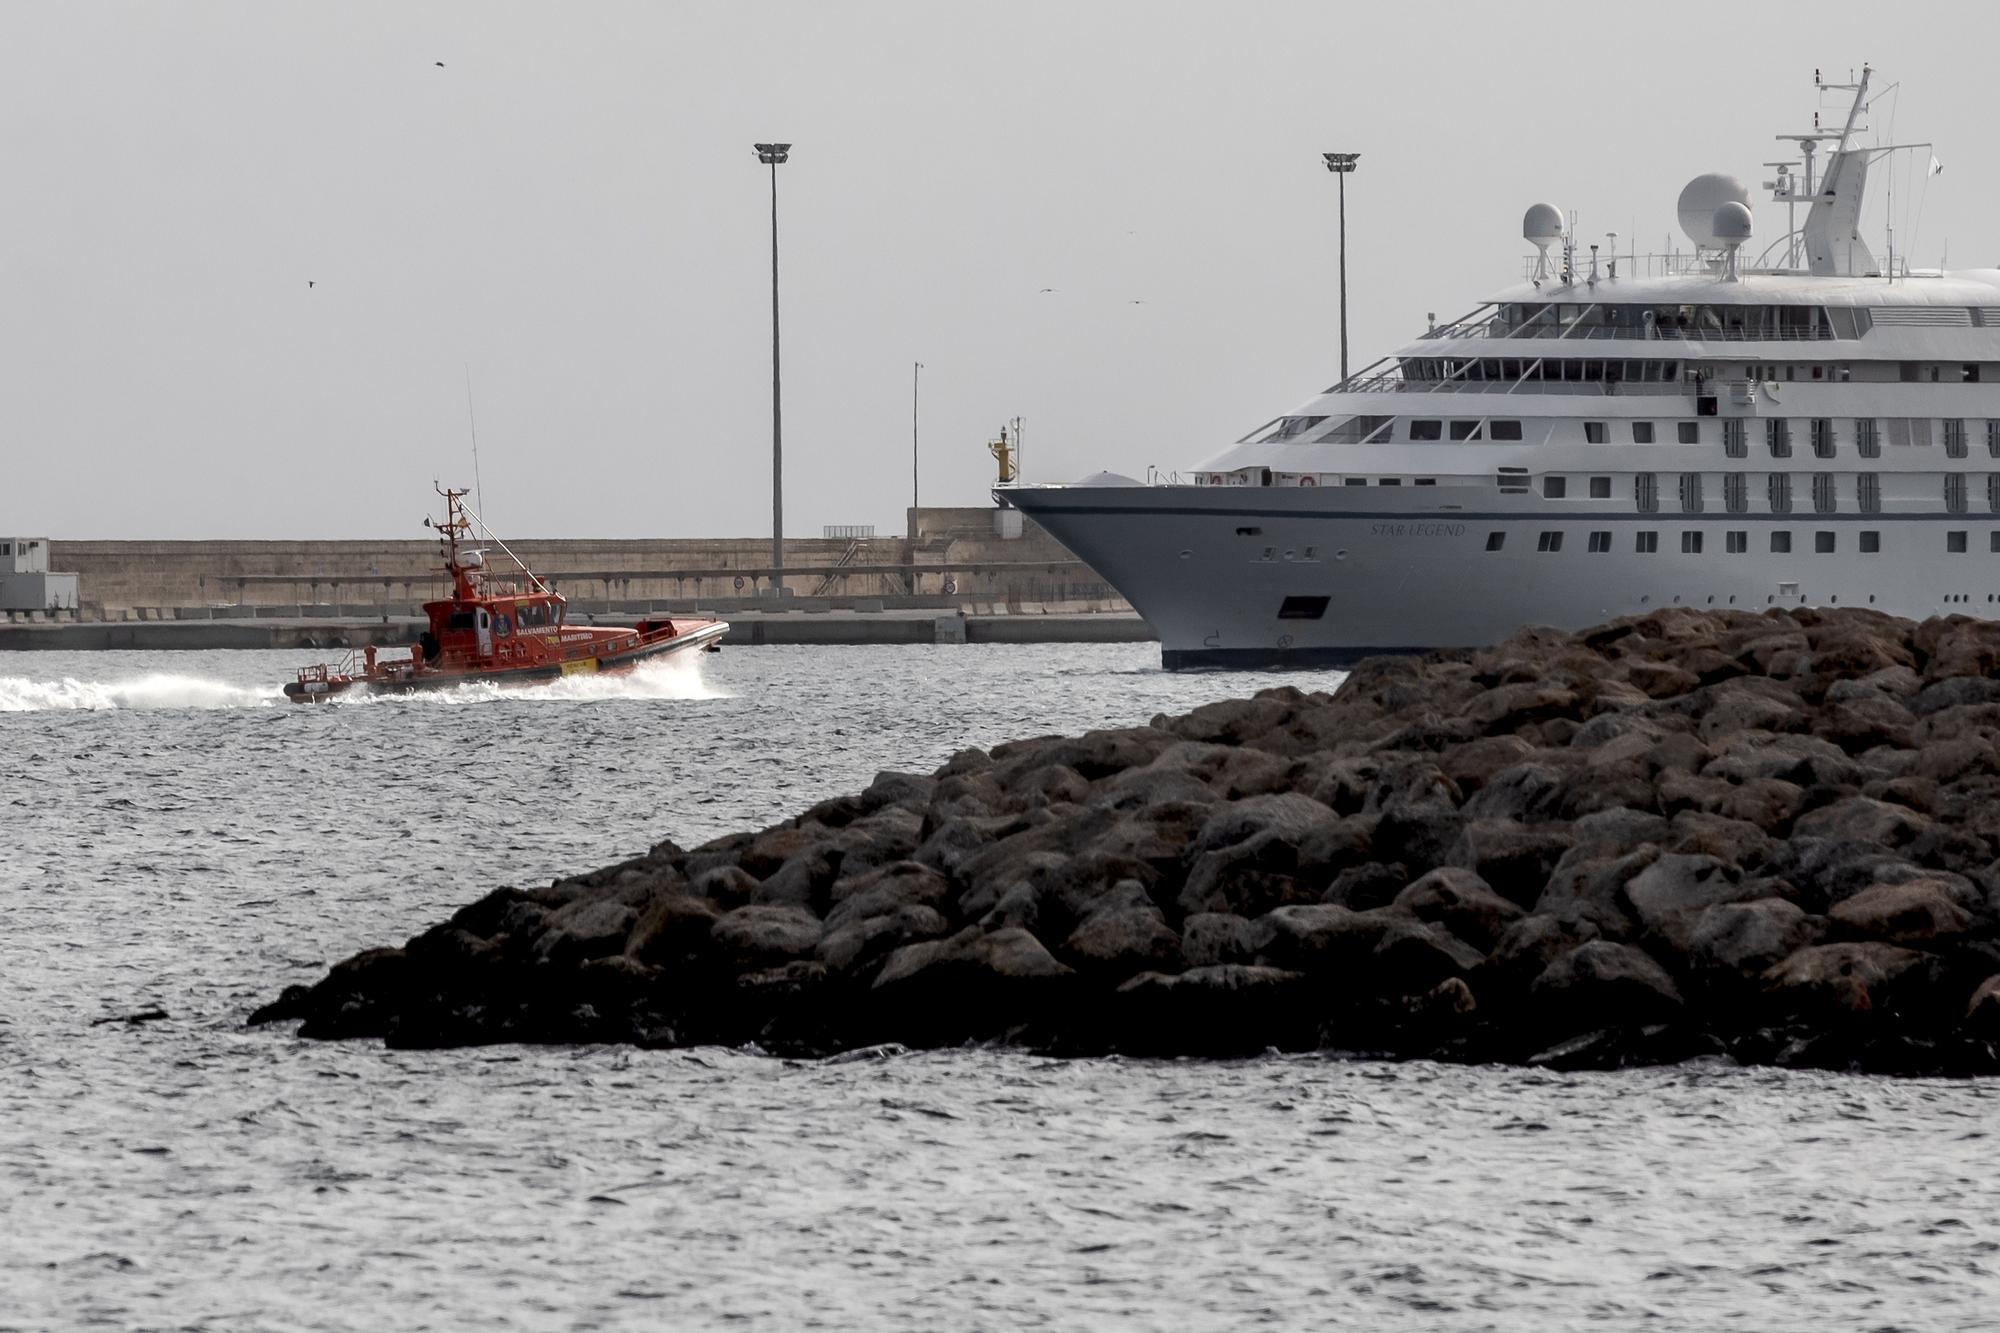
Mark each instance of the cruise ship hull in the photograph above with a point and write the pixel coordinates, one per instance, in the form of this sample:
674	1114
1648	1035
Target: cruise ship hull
1295	577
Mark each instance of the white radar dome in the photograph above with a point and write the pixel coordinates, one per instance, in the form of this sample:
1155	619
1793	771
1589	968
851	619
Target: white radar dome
1700	200
1542	224
1730	224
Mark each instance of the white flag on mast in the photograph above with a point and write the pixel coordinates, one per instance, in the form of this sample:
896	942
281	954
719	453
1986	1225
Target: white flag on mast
1936	166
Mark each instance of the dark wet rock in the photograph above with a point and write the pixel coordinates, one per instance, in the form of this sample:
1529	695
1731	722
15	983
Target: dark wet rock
1462	903
585	929
1915	911
1861	819
1212	938
1227	1009
1602	983
1125	936
1738	940
1370	884
1774	834
763	935
1982	1011
726	886
1513	859
1618	830
674	927
859	940
1827	982
1590	886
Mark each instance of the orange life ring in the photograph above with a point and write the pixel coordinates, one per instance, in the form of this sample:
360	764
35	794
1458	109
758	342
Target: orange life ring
1308	481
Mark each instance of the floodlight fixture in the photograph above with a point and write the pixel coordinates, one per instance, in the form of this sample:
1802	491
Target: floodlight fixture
771	154
1340	162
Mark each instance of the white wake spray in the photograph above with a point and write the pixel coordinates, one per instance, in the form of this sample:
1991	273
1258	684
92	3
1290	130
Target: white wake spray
19	694
676	677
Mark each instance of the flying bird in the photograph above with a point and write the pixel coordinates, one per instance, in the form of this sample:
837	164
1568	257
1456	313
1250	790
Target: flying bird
309	283
1048	289
439	64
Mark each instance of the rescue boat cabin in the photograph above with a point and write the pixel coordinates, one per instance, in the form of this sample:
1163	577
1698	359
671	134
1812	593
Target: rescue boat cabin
484	621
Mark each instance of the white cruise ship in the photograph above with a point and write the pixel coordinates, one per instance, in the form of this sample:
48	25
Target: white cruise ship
1809	423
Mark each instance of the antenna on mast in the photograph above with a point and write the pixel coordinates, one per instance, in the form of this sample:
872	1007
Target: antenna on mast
472	422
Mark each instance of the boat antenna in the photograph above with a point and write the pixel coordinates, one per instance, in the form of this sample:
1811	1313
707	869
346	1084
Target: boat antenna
472	422
536	582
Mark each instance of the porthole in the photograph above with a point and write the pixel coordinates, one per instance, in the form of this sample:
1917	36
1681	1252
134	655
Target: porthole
1732	599
1871	596
1711	599
1187	555
1340	554
1769	599
1833	601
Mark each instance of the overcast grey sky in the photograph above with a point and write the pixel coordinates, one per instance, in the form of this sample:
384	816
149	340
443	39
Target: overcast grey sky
571	207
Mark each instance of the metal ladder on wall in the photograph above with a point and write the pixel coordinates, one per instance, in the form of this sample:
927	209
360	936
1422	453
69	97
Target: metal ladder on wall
846	558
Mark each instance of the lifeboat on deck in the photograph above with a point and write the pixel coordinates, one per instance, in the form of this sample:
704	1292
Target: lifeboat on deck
493	630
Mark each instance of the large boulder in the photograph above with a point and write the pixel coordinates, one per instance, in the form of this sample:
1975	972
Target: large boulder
1604	984
1824	983
760	935
1915	911
1125	935
1734	941
1462	903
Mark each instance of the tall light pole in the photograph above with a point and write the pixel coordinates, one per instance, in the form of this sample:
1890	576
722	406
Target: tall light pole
772	155
916	371
1339	164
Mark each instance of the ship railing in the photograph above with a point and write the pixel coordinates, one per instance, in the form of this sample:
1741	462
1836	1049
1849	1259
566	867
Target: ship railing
1656	333
1575	388
1671	264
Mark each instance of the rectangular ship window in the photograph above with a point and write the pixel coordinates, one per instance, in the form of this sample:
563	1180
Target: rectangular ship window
1993	542
1600	488
1871	543
1822	543
1355	481
1465	430
1690	432
1503	430
1601	541
1427	430
1303	608
1249	532
1642	432
1954	542
1593	432
1549	541
1736	543
1690	543
1495	540
1781	543
1646	543
1554	488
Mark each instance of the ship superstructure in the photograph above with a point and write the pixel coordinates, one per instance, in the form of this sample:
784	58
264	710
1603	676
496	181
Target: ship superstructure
1819	426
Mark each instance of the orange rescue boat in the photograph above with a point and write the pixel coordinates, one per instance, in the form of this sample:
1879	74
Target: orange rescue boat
489	630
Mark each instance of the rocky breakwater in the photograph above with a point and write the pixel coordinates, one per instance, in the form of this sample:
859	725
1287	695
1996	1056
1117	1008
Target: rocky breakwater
1768	837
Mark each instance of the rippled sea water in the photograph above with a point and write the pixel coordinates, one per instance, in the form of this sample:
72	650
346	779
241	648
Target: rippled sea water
173	837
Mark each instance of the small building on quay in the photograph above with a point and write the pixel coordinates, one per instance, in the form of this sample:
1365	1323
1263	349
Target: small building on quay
27	585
